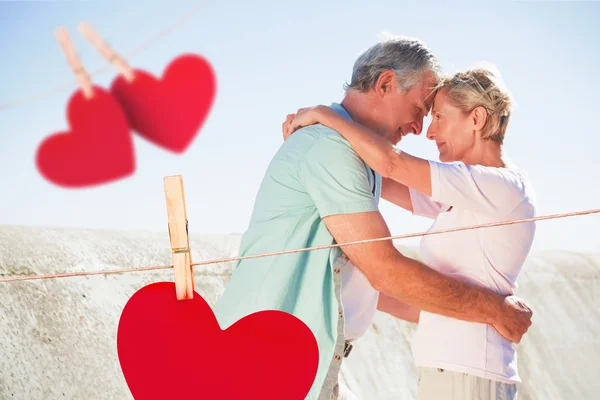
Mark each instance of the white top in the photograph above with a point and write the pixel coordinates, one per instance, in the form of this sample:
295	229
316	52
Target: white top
359	299
488	257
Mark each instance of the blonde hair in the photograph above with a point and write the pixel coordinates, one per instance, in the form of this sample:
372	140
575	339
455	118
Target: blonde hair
481	86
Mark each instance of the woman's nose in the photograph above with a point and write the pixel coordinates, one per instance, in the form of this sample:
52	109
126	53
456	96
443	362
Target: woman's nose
431	132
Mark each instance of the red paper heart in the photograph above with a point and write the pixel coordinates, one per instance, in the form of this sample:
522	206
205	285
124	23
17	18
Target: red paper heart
98	149
175	349
169	112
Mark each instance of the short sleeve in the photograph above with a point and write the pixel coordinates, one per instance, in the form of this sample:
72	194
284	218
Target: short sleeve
423	206
336	178
475	188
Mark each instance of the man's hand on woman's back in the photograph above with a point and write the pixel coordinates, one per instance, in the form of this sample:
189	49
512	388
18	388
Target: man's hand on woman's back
414	283
514	320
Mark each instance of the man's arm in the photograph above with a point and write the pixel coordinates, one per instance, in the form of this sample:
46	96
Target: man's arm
414	283
336	180
398	309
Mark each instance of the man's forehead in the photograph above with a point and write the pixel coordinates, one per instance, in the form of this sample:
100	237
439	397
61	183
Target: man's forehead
429	92
429	102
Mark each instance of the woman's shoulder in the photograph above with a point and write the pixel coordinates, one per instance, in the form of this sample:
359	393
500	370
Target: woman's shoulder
510	174
509	181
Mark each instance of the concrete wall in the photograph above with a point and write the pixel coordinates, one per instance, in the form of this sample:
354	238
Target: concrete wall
58	337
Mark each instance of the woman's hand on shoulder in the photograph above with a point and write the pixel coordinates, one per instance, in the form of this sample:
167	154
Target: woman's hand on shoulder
303	117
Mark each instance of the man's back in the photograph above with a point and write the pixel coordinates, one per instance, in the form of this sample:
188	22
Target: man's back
314	174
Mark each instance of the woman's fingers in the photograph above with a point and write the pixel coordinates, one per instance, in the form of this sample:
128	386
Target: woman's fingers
293	122
286	127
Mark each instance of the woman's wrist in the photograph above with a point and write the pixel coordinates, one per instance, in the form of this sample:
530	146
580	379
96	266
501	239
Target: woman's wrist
326	116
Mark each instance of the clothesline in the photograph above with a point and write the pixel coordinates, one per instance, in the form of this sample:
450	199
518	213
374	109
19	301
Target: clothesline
223	260
145	45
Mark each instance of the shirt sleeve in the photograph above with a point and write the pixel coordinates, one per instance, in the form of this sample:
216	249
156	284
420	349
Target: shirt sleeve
423	206
475	188
336	178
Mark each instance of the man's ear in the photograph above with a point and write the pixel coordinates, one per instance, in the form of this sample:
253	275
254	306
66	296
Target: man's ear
386	83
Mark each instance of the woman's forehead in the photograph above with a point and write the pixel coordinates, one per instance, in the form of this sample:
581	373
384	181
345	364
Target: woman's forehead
440	100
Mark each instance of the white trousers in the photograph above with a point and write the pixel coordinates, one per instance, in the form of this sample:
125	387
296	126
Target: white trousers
440	384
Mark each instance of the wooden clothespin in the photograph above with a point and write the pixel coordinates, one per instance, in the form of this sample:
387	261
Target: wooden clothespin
83	78
106	51
179	236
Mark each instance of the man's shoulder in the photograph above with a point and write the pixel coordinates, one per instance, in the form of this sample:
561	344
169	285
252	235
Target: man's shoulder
319	138
319	131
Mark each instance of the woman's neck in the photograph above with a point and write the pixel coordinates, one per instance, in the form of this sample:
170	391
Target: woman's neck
487	153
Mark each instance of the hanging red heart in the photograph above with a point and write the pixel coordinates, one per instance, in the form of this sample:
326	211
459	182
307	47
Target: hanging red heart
175	349
97	150
169	112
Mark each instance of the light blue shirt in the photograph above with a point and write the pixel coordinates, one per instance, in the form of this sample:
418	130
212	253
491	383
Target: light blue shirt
315	173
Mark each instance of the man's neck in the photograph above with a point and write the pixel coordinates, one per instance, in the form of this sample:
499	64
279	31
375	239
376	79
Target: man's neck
359	106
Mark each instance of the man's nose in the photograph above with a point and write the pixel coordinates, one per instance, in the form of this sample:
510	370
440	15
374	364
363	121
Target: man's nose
417	127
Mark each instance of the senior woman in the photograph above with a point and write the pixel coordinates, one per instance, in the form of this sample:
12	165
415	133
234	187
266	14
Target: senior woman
473	184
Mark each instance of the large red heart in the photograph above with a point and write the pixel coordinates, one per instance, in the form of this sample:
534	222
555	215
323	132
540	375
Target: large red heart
98	149
175	349
169	112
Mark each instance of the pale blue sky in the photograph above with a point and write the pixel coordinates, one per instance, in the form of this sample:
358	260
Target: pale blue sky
272	58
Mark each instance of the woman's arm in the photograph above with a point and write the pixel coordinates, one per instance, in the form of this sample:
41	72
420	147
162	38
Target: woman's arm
396	193
398	309
376	151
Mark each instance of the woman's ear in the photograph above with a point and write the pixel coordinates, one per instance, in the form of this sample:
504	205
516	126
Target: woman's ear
479	117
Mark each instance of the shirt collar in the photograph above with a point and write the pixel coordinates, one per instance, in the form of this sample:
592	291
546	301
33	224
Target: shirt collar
341	110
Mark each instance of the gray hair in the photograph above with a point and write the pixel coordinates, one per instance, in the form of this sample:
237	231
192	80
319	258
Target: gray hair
409	58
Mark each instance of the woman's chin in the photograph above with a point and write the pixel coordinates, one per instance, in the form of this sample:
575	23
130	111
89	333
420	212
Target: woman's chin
446	158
